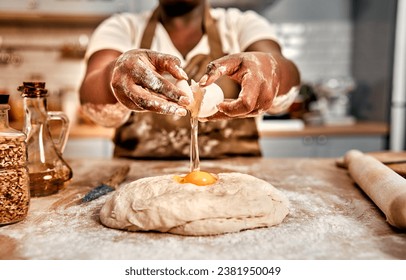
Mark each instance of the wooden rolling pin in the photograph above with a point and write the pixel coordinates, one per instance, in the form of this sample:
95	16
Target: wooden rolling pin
386	188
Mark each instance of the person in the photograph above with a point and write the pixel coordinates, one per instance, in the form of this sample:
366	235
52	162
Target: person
134	59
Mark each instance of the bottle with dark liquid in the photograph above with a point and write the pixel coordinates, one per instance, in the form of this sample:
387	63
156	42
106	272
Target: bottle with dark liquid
48	171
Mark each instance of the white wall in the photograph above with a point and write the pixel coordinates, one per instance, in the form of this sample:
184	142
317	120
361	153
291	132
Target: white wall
316	34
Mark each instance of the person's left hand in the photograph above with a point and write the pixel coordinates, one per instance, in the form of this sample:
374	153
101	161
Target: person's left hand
259	76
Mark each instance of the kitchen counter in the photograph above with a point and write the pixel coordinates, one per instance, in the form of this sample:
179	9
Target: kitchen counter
359	128
276	139
330	218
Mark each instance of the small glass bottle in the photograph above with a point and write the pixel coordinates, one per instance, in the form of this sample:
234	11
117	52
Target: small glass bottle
48	171
14	179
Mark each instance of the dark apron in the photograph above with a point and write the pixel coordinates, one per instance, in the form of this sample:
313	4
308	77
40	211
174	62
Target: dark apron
152	135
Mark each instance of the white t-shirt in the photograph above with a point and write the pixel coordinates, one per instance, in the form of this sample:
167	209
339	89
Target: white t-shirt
237	29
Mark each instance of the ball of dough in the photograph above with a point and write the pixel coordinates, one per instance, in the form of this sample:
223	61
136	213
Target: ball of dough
235	202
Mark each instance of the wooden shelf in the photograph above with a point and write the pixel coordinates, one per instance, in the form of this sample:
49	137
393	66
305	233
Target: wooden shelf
58	20
359	128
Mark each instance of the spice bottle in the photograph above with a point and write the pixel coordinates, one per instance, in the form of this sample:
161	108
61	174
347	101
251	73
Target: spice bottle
48	171
14	180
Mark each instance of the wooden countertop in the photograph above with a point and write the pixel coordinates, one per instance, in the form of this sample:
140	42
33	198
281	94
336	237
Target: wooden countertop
330	218
89	131
359	128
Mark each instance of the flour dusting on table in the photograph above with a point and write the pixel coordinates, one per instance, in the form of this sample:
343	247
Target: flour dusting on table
328	220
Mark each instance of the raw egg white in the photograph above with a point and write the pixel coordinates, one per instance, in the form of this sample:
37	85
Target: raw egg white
197	177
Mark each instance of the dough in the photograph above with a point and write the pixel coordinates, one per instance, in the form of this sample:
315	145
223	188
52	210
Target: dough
235	202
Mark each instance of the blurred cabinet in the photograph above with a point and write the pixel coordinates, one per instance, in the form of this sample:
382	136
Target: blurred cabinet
89	148
306	146
325	141
91	141
319	146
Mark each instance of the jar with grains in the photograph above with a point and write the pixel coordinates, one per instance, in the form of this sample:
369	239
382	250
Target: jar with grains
14	179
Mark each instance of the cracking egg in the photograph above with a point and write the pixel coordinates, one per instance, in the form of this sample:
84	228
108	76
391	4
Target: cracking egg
197	177
213	96
184	86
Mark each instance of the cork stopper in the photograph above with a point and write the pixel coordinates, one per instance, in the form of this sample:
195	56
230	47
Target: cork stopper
33	89
4	98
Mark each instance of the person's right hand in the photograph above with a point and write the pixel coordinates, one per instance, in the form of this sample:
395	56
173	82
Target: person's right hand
138	84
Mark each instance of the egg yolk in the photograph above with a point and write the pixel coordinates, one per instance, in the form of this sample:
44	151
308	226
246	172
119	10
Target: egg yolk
199	178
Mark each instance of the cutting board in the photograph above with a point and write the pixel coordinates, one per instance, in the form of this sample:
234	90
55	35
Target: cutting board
394	160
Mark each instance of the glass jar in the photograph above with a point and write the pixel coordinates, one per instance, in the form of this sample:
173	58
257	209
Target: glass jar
48	171
14	179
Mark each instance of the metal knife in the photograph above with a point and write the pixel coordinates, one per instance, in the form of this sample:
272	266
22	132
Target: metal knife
119	174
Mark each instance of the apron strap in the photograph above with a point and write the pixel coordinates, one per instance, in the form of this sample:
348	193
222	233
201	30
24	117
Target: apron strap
149	30
216	48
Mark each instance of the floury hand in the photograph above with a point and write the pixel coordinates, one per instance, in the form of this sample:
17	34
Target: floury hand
137	82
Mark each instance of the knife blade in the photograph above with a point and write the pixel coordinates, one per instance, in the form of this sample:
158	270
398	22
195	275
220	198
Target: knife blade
119	174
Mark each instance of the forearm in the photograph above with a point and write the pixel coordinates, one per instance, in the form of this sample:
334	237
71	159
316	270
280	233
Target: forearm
289	86
288	72
96	87
289	75
97	99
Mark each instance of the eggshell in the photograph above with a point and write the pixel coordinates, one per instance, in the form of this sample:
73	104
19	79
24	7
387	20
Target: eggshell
213	96
184	86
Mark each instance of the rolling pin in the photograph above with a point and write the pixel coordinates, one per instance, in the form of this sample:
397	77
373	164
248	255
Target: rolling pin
385	188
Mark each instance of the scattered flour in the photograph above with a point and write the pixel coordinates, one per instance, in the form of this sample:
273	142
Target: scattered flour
313	230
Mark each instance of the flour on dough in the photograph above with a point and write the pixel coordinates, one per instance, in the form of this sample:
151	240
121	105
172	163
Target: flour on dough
235	202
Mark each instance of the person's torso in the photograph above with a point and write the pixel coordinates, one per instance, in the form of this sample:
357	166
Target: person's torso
150	135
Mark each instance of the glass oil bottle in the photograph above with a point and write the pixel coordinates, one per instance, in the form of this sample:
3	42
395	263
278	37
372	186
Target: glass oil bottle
48	171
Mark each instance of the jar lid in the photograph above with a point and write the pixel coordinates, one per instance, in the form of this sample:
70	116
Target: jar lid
33	89
4	98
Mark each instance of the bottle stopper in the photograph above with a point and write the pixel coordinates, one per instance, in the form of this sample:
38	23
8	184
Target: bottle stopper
4	98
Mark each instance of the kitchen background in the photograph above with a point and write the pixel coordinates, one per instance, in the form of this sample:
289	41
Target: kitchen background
329	40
